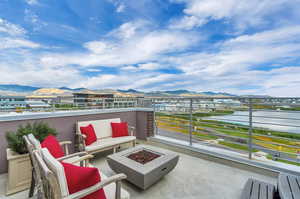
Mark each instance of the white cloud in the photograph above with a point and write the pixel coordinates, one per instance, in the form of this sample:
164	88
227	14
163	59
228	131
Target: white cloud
14	36
242	13
17	43
241	53
140	48
32	2
94	70
98	47
11	29
129	68
34	19
150	66
120	8
24	69
187	23
130	29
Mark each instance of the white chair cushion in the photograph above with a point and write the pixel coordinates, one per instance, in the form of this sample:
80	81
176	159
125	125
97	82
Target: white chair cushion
57	168
34	142
109	142
102	127
110	190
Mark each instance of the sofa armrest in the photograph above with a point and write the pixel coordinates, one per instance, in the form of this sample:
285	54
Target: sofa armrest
65	145
131	130
81	141
113	179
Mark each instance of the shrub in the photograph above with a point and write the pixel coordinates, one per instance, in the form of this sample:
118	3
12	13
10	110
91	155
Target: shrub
39	129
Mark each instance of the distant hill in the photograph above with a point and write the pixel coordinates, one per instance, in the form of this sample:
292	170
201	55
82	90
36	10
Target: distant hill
129	91
17	88
14	89
217	93
72	89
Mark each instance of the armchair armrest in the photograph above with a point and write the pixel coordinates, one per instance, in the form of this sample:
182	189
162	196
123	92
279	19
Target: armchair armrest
131	130
65	144
84	160
83	153
113	179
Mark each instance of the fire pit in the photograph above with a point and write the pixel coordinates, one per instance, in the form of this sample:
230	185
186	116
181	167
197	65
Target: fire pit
143	165
143	156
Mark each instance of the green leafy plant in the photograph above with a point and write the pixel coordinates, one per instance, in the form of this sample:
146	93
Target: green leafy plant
39	129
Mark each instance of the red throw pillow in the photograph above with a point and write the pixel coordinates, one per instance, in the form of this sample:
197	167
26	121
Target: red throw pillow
90	134
53	146
79	178
119	129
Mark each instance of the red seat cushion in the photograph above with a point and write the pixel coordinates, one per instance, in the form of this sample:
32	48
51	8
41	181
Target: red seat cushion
90	134
119	129
79	178
53	146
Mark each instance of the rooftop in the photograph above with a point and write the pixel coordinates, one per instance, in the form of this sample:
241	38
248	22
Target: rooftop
213	148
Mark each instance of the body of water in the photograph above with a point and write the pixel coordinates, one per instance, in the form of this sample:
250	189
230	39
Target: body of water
274	120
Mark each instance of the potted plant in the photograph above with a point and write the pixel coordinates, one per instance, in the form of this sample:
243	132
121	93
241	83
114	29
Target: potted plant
19	165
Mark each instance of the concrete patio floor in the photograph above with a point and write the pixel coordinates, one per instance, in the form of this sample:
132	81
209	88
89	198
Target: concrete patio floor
192	178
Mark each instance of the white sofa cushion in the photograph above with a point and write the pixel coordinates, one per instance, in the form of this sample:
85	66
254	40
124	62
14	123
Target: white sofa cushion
57	168
102	127
110	190
109	142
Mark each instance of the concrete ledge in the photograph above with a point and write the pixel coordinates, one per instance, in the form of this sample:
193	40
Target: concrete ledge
44	115
239	162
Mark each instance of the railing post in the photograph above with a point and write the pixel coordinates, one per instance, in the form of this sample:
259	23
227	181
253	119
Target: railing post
250	128
154	117
191	122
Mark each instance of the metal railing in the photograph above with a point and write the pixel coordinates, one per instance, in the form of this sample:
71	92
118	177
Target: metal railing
268	127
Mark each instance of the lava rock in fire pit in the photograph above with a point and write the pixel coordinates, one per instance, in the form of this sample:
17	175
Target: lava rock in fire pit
143	156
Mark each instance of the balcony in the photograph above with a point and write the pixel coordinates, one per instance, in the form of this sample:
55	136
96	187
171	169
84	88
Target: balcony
207	167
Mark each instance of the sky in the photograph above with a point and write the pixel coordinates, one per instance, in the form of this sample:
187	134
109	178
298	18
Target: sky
235	46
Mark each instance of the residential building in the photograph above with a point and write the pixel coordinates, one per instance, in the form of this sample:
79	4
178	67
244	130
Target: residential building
49	99
37	105
12	102
102	100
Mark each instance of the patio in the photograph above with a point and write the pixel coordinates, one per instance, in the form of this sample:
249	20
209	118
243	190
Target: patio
193	177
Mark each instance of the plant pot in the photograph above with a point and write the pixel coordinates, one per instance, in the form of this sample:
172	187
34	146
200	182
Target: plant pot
19	172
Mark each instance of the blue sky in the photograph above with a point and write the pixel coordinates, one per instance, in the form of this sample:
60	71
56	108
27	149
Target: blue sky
236	46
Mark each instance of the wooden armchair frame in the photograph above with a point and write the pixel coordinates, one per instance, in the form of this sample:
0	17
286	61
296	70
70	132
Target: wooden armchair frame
51	187
36	178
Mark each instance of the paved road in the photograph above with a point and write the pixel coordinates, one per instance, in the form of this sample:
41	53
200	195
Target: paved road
179	136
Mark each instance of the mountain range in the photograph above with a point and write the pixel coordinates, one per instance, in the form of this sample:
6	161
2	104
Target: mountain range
15	89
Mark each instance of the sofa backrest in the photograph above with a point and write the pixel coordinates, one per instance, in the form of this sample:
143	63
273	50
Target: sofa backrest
102	127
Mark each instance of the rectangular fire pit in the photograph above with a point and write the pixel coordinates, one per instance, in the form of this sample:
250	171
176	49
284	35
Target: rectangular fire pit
143	165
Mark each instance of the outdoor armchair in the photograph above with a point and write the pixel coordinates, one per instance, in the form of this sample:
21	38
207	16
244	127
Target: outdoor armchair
34	145
55	184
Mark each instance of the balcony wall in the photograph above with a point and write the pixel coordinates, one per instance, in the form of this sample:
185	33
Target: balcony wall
65	123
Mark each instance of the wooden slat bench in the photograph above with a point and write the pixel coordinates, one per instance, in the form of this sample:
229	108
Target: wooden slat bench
289	186
255	189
